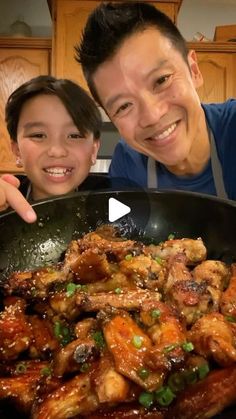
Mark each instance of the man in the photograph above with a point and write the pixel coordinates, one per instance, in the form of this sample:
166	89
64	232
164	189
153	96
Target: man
140	71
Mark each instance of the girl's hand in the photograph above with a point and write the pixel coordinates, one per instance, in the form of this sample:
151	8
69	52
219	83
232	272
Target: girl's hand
11	197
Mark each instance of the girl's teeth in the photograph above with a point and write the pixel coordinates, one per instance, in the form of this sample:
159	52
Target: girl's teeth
167	132
56	171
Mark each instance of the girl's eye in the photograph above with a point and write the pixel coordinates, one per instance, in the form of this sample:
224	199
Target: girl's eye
37	135
76	136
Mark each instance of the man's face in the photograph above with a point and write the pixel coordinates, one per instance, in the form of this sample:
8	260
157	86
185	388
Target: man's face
149	93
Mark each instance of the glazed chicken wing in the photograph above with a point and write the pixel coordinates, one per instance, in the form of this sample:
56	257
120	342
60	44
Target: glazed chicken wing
213	337
206	398
194	250
129	345
15	331
228	297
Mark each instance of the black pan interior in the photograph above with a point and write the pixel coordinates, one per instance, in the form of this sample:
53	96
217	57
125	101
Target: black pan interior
153	216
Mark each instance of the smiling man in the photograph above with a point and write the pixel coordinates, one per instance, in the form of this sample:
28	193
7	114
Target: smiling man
140	71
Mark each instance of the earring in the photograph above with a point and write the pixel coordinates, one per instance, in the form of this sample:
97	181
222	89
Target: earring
19	162
93	160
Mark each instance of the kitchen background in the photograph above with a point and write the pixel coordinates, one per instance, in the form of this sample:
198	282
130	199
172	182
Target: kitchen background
195	16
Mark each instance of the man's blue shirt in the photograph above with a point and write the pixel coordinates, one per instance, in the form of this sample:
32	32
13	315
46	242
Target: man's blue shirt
221	118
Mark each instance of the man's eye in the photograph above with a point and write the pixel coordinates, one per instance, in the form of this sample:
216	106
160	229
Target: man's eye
122	108
163	79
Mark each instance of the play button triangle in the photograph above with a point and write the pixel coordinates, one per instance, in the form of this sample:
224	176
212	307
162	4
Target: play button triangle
116	209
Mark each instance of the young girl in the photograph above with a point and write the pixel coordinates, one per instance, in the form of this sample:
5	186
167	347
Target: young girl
55	131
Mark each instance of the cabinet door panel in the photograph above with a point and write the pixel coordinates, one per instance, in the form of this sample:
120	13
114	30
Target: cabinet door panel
16	66
70	20
217	70
167	8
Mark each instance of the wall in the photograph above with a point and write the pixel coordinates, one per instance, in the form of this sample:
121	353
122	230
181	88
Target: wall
33	12
204	15
194	16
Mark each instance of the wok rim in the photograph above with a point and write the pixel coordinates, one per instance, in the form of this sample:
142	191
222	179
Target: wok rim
174	192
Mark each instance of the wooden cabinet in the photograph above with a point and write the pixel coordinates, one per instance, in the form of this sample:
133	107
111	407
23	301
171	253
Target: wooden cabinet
69	18
170	8
20	60
217	62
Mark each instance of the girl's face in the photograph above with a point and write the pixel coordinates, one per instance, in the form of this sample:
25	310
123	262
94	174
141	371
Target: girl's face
56	156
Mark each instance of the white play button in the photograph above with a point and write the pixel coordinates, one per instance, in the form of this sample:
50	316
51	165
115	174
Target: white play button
116	209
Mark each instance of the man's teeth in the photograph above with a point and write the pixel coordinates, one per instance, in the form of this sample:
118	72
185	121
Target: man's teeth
167	132
57	171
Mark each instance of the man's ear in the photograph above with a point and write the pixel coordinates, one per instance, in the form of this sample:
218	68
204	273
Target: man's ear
194	69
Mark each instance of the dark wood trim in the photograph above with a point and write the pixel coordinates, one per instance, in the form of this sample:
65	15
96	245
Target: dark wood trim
50	6
10	42
178	2
213	46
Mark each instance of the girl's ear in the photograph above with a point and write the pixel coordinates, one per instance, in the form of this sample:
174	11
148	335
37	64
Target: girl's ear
16	152
194	69
15	148
96	146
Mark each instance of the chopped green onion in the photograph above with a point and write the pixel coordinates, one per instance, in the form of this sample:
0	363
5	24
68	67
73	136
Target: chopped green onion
99	339
170	348
84	367
143	373
176	381
57	329
34	292
191	376
146	399
231	319
188	346
203	371
158	260
137	341
128	257
164	396
46	371
84	288
21	368
171	236
70	289
62	333
155	314
66	336
118	290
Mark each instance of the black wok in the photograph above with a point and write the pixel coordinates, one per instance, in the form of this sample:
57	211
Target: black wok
153	216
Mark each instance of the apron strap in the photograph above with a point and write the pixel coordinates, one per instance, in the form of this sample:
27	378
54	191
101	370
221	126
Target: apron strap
152	176
217	169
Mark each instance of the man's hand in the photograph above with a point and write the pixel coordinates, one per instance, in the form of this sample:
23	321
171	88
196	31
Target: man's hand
11	197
